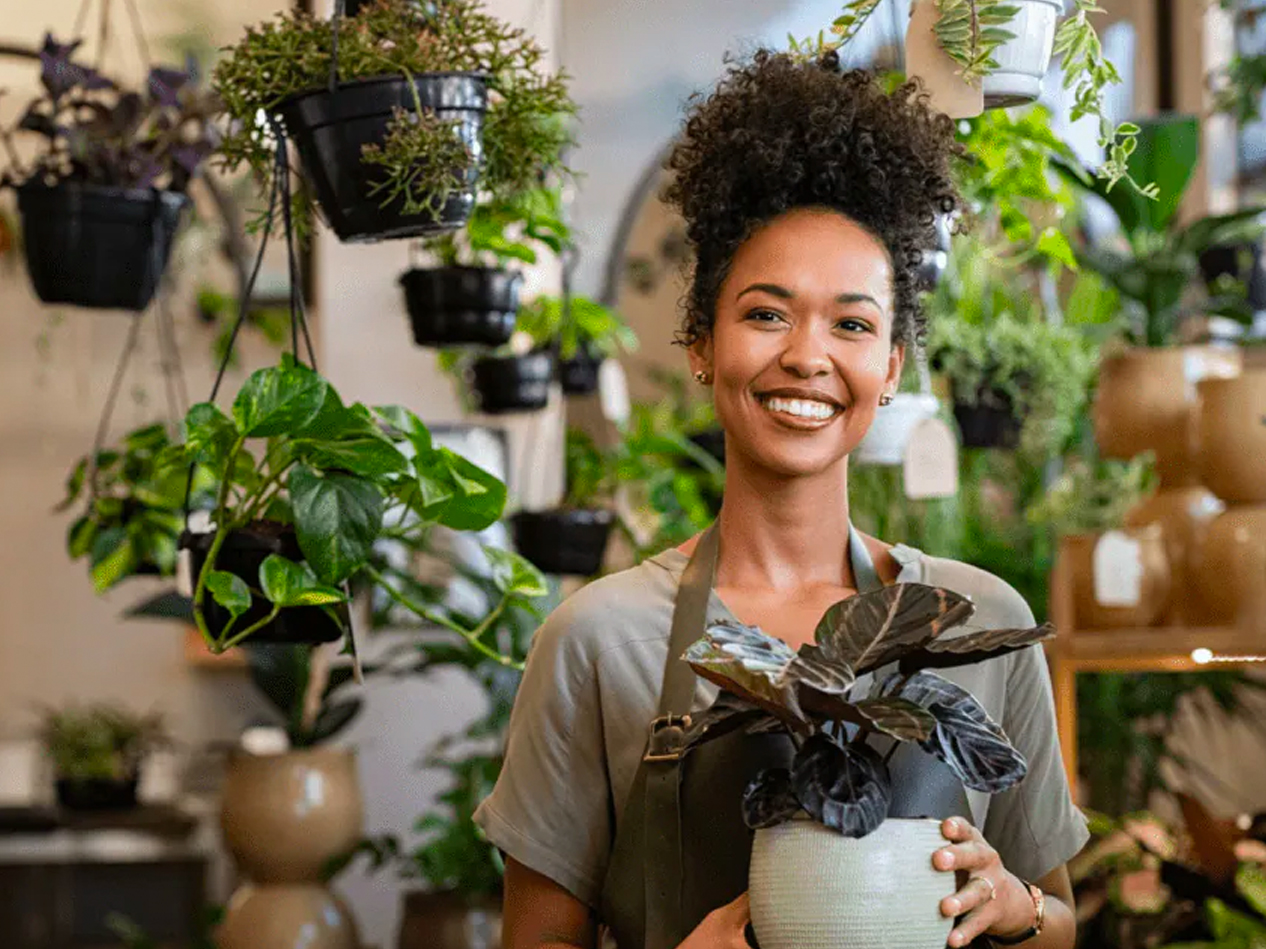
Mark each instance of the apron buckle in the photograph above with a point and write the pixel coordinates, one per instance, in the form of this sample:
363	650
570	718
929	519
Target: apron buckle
667	735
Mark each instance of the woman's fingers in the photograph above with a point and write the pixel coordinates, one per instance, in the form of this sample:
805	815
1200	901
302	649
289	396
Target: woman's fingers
975	892
973	855
973	924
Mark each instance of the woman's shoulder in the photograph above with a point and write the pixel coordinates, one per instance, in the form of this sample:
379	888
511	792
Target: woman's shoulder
998	604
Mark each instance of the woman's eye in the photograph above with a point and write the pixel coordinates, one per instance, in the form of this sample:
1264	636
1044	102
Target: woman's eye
854	326
764	316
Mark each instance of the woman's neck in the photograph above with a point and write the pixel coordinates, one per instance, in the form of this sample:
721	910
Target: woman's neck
783	532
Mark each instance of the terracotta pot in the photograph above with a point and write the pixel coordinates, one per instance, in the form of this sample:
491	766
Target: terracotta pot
1184	514
450	921
1230	563
286	916
1147	399
1078	552
1233	437
285	816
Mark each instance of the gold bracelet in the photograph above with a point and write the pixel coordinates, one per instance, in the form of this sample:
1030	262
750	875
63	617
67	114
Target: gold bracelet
1039	919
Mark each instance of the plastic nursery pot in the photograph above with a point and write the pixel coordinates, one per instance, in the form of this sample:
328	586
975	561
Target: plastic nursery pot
565	541
451	306
98	247
513	383
579	374
97	794
330	130
989	423
1023	59
1241	262
241	554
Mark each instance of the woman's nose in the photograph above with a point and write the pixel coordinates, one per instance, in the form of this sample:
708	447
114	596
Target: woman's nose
805	354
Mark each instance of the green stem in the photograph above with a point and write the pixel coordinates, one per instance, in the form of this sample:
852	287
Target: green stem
272	615
221	533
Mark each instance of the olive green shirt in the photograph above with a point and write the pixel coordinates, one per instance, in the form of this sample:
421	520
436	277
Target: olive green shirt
591	688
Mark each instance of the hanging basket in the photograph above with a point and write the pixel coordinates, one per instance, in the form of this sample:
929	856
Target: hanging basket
1024	59
513	383
579	374
566	541
989	422
241	554
451	306
93	246
886	440
330	129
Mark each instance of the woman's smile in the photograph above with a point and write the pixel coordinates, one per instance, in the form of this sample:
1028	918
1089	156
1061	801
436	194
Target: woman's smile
805	410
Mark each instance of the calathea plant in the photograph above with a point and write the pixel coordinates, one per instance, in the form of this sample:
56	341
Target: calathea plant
837	777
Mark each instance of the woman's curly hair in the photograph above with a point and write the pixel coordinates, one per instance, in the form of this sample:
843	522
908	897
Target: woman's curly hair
777	134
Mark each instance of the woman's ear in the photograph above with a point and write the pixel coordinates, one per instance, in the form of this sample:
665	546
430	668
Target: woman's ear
700	355
896	362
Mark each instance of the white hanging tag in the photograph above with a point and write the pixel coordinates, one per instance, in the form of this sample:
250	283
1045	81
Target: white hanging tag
613	392
184	572
948	91
1118	569
930	466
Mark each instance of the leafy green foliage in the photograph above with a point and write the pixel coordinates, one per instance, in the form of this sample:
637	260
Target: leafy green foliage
1093	495
133	507
582	325
282	673
970	32
525	130
505	230
589	471
99	741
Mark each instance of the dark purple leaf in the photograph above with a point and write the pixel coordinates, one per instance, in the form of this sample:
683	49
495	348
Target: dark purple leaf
126	114
815	668
59	75
35	120
951	651
190	156
845	789
743	660
766	726
872	629
726	714
768	799
900	718
164	85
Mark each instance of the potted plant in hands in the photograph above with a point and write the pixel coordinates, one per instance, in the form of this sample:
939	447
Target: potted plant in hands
398	124
832	804
472	296
572	538
97	754
581	332
102	200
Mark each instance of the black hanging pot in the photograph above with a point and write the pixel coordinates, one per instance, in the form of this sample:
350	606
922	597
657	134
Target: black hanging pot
97	794
93	246
1243	262
331	129
579	374
513	383
990	422
241	554
565	541
451	306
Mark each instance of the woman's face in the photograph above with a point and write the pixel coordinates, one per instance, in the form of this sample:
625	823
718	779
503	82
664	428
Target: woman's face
801	349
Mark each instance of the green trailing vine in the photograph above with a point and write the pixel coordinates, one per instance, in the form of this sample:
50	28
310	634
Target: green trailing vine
970	32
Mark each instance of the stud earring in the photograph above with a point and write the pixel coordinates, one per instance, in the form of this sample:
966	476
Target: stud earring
886	399
703	377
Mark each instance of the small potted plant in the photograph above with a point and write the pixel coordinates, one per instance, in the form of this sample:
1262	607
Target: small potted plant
514	377
571	539
581	332
472	296
102	199
97	752
135	505
293	525
832	804
401	121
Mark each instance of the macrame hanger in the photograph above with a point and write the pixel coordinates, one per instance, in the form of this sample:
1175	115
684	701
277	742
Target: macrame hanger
116	385
103	30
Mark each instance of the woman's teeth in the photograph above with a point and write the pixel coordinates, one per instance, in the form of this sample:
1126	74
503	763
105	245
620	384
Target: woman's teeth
801	408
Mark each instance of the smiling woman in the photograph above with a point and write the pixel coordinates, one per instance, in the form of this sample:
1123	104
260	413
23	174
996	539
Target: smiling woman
807	194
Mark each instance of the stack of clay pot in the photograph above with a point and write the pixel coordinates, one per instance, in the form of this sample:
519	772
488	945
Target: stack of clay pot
284	817
1192	406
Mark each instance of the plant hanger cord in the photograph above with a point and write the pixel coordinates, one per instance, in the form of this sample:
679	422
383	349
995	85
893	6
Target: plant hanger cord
103	32
103	425
298	318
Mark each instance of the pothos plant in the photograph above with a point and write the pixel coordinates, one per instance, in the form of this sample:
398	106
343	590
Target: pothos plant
421	162
576	326
506	229
837	776
330	473
970	32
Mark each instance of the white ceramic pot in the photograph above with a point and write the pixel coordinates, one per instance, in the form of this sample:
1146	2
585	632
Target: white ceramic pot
1023	61
813	888
885	443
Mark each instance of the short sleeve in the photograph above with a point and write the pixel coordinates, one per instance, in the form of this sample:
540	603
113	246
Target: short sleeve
550	809
1034	826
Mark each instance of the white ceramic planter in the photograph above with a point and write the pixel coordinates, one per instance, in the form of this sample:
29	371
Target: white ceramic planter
885	443
1023	61
813	888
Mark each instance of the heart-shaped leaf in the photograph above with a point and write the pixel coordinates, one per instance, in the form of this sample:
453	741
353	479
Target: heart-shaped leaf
900	718
743	660
872	629
367	456
336	421
514	575
950	651
814	667
481	496
209	435
337	519
230	591
404	424
769	799
848	789
287	583
279	400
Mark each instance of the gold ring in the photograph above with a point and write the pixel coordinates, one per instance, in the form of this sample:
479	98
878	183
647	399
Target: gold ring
993	890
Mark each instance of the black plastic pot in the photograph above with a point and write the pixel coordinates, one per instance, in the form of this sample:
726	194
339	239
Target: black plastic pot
97	794
579	374
1240	261
990	423
566	541
241	554
331	129
451	306
98	247
513	383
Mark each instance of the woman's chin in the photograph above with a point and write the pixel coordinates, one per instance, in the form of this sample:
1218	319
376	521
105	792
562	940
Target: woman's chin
790	461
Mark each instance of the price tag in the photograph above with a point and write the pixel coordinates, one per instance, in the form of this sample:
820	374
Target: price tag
184	572
1118	569
613	392
930	466
947	90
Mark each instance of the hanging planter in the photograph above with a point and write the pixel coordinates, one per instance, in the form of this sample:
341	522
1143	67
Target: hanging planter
582	332
579	373
566	541
988	422
885	441
450	306
512	383
1024	59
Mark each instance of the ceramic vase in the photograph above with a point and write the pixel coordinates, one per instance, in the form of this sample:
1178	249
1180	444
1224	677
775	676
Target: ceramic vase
1154	582
1184	516
1232	433
1229	565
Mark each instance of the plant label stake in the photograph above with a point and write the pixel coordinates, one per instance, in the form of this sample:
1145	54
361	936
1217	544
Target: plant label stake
925	58
613	392
930	466
1118	570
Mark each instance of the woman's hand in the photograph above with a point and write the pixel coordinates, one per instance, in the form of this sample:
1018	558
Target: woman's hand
990	898
724	928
